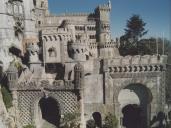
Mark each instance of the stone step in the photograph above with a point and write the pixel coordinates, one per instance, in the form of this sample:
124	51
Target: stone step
48	125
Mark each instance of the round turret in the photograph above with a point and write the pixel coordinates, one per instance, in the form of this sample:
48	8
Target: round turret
79	76
78	50
12	74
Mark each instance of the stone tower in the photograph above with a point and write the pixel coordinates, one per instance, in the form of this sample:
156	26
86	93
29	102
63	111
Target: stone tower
41	9
106	48
30	34
12	74
103	23
79	76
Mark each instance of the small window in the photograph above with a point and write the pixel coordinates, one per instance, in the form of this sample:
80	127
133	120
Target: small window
42	4
39	22
52	52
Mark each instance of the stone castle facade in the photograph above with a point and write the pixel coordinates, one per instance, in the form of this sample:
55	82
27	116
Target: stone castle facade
70	64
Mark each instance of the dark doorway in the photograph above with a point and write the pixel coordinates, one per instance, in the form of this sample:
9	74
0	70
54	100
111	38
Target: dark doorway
132	116
98	119
50	110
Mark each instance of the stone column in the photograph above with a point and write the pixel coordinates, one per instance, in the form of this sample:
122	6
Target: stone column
83	124
15	106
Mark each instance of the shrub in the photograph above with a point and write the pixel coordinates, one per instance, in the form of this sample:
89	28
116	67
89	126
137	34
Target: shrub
90	124
29	126
110	121
7	97
71	116
71	120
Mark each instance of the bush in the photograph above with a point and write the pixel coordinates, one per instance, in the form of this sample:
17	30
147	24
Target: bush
71	120
71	116
110	121
29	126
90	124
7	97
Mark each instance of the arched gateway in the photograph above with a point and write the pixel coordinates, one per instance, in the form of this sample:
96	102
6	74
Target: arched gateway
50	111
47	113
135	104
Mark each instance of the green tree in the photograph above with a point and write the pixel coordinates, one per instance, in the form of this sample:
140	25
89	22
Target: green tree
150	46
135	29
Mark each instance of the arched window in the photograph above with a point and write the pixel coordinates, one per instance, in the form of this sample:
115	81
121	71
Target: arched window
16	9
20	9
42	4
34	2
52	52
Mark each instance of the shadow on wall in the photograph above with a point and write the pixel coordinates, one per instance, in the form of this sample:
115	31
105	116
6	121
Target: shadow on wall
161	120
70	50
132	116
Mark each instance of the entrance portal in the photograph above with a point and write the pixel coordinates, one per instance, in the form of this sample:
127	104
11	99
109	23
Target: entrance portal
132	116
50	111
135	100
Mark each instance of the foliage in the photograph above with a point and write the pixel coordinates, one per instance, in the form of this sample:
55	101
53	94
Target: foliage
110	121
135	29
90	124
71	120
133	32
29	126
18	65
7	97
70	116
149	46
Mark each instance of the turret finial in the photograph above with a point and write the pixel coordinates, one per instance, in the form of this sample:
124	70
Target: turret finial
110	4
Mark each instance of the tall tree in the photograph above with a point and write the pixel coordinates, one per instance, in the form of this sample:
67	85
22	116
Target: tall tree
135	29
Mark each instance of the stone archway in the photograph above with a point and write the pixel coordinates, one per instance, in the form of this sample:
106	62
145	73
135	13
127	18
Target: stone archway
50	112
135	105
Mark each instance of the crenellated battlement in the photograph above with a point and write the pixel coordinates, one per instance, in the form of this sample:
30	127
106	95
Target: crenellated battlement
108	45
71	14
79	43
137	60
43	84
74	22
136	63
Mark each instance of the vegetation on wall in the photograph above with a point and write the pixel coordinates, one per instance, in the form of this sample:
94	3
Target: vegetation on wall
29	126
7	97
71	120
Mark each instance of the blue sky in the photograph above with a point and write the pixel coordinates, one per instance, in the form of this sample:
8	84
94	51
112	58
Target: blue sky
156	13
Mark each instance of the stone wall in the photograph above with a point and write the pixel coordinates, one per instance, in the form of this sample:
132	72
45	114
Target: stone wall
28	102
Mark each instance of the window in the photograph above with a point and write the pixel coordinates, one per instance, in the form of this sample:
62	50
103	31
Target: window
92	36
78	37
52	52
79	28
42	4
91	28
39	22
16	9
34	2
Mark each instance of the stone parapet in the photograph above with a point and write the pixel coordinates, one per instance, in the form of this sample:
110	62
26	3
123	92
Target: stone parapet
136	60
45	84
